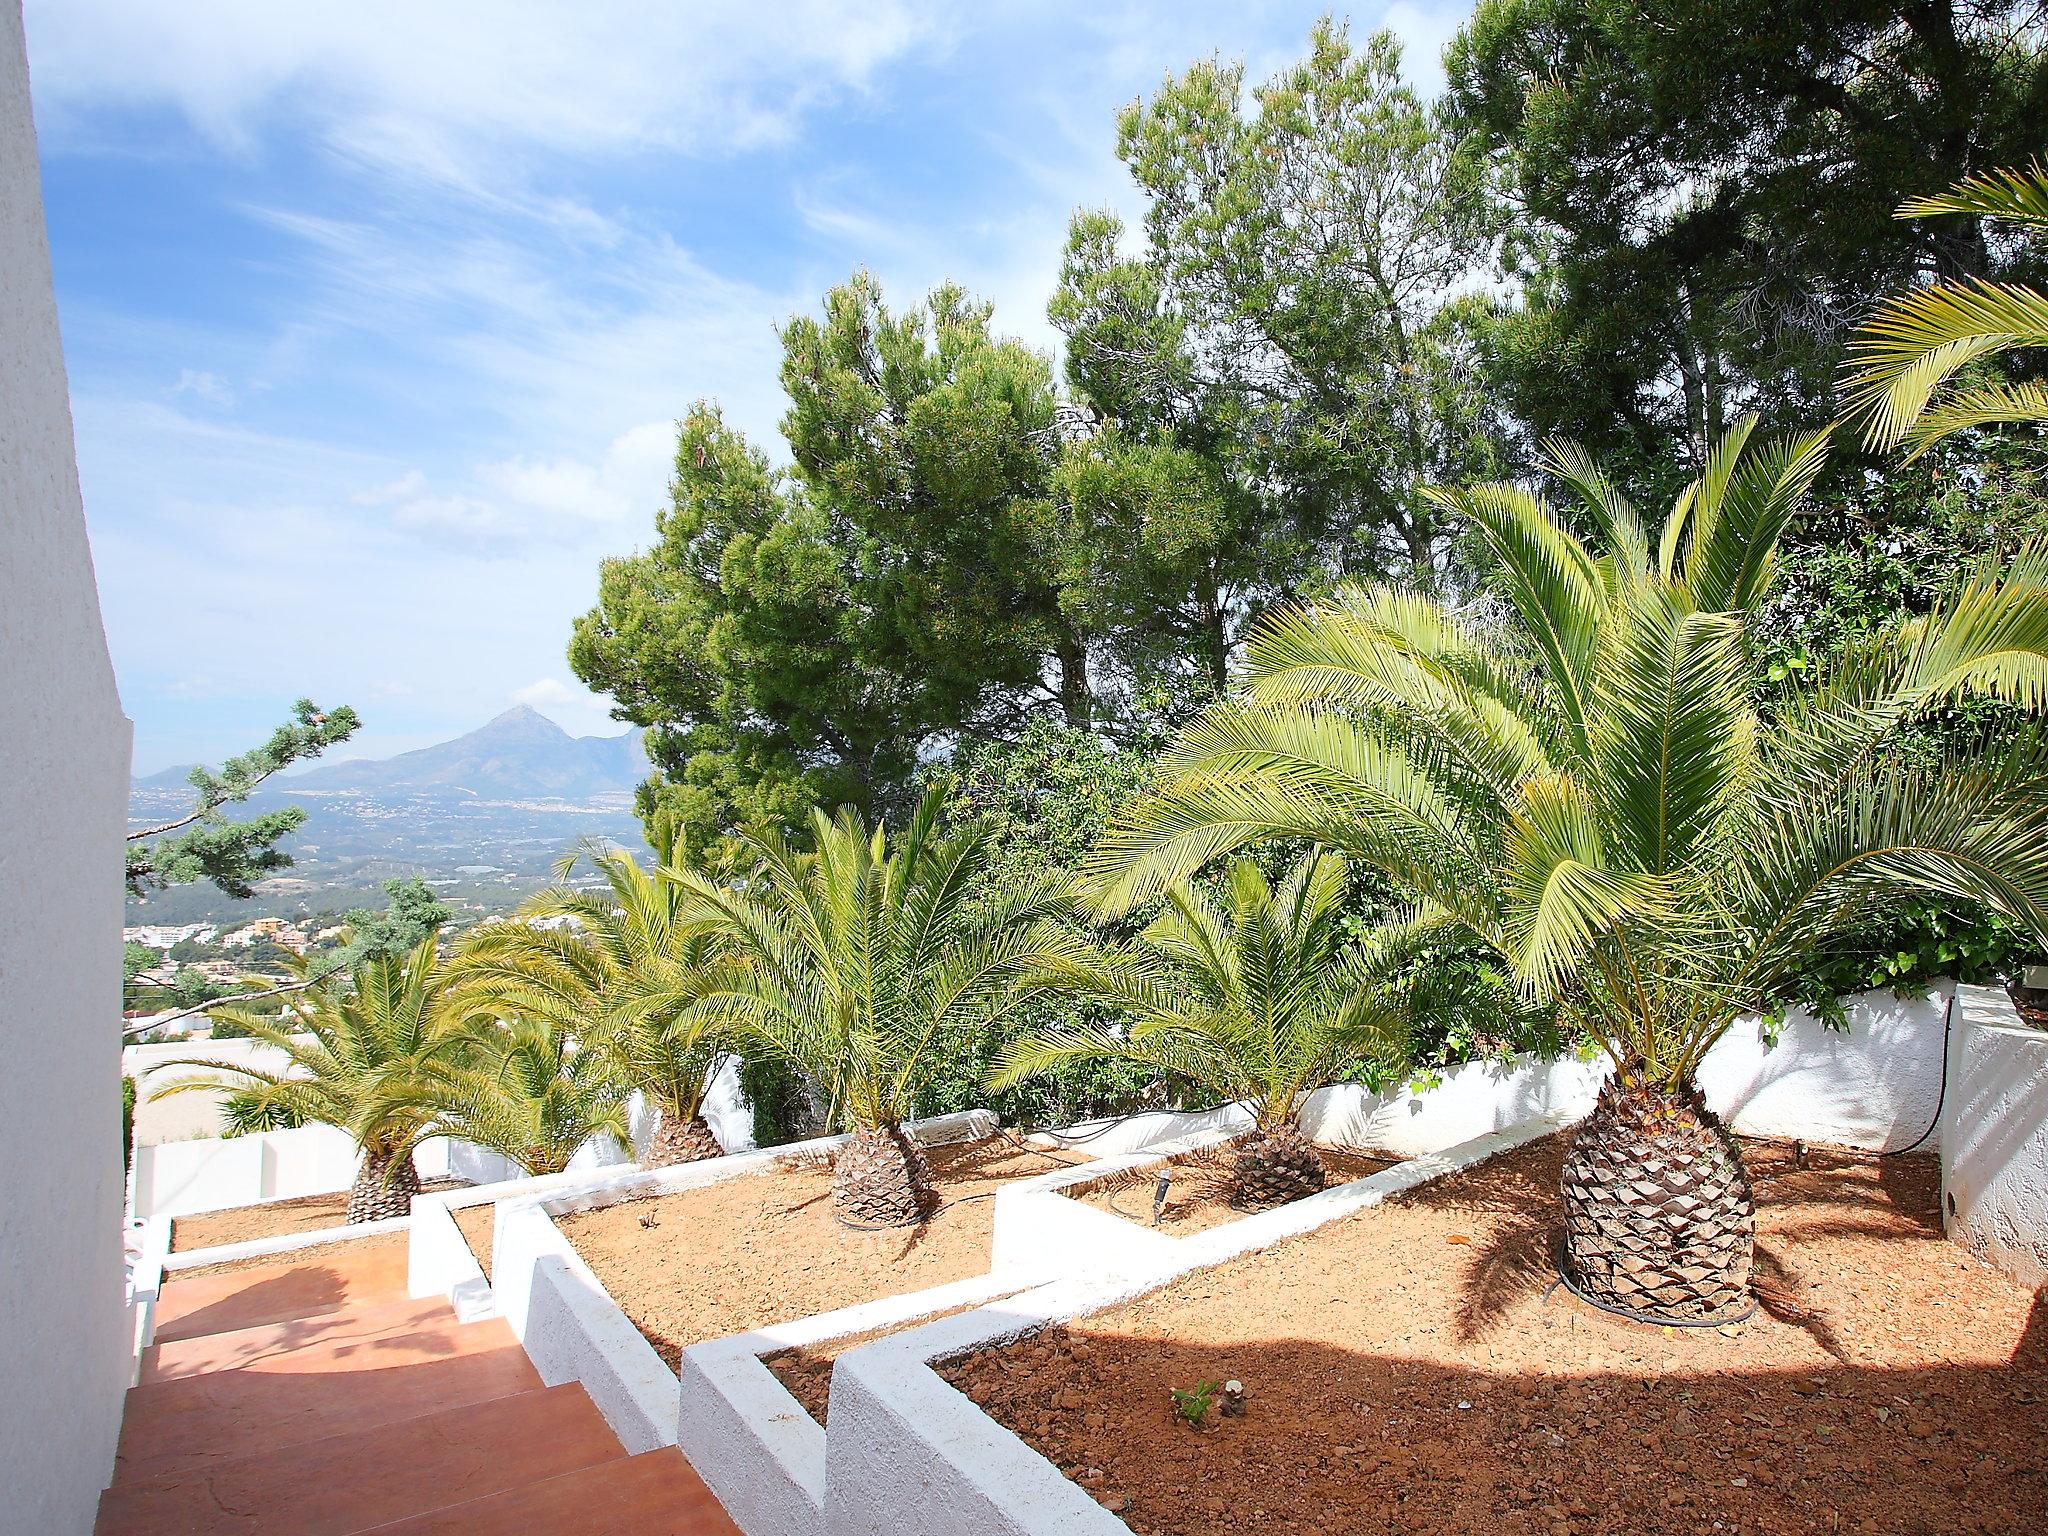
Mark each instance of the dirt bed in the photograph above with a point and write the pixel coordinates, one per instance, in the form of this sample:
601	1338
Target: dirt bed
355	1248
807	1372
479	1224
763	1248
275	1218
1411	1368
1197	1191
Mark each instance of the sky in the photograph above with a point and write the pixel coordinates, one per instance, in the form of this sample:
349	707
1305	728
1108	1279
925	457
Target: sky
379	316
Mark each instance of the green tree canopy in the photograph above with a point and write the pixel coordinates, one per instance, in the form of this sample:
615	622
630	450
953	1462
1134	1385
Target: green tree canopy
205	844
799	637
1705	192
1294	318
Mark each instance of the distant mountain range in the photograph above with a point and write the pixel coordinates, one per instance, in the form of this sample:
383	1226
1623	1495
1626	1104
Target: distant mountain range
519	755
482	816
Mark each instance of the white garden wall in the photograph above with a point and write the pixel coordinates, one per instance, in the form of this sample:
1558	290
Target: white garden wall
63	812
1995	1136
183	1178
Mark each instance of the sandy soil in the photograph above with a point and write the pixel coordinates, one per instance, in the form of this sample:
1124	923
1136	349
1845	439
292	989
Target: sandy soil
479	1224
383	1242
807	1372
1196	1195
278	1218
1411	1369
764	1248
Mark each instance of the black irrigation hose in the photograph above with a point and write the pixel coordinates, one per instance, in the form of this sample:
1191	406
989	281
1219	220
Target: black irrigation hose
1948	1020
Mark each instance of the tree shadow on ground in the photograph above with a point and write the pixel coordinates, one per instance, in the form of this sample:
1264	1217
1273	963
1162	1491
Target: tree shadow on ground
1335	1442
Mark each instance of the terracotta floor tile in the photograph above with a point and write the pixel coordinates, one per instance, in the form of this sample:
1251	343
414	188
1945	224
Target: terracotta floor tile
654	1494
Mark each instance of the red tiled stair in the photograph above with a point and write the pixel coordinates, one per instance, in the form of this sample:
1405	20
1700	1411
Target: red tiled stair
315	1398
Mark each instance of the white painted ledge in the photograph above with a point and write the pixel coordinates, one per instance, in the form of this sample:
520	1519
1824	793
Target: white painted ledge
908	1455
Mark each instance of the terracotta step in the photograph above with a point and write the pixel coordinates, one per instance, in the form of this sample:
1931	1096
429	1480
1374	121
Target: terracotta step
181	1426
303	1284
254	1347
350	1482
657	1493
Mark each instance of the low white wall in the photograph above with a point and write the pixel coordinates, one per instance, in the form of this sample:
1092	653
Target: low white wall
186	1116
1995	1136
200	1170
909	1455
571	1329
1874	1086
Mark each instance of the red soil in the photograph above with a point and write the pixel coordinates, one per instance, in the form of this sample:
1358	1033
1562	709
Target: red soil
1411	1369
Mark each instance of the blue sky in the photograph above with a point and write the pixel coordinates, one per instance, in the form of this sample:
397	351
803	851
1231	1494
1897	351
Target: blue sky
379	315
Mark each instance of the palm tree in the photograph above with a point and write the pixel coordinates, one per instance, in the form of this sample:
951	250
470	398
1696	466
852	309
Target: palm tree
368	1056
859	963
524	1091
1585	784
609	968
1902	367
1257	994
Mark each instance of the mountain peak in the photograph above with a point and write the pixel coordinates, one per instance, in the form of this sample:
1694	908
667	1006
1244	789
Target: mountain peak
520	714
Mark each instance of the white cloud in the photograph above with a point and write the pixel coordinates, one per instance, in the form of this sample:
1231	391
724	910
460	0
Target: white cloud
440	92
407	486
622	487
210	387
574	708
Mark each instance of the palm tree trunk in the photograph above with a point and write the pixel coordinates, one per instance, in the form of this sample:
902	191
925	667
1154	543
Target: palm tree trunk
1273	1168
881	1180
1659	1221
384	1187
678	1140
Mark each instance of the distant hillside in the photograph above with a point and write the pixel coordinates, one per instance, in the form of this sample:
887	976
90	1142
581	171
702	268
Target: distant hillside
482	817
521	755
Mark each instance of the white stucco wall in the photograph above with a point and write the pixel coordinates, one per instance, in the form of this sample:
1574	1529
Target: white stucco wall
63	808
1994	1134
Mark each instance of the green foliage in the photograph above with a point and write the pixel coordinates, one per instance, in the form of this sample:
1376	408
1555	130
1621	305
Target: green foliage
127	1122
1588	788
371	1058
1041	801
205	844
611	969
1905	948
1910	369
1254	994
412	914
1295	321
799	638
523	1089
1707	194
865	962
775	1097
1192	1403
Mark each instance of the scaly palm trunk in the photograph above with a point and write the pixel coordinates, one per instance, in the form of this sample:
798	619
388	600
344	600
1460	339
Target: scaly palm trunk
384	1187
1273	1168
881	1180
681	1141
1659	1222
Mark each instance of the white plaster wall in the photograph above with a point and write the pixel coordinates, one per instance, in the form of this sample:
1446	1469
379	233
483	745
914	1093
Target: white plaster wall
1995	1136
1875	1086
63	811
187	1116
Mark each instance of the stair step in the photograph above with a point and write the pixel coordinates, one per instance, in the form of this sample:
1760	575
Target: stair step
259	1345
350	1482
656	1493
306	1283
172	1427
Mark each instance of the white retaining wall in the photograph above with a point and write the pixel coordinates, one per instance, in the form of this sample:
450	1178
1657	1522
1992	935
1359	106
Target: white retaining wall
63	813
909	1455
573	1330
183	1178
1995	1136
